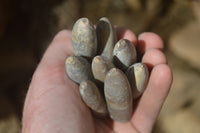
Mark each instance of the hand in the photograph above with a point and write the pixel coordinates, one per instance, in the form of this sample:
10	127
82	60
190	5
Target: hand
53	103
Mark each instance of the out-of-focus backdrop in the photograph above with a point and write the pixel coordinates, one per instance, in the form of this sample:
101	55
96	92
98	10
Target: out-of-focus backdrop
27	27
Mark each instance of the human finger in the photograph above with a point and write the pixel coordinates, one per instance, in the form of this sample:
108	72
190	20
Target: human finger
153	57
148	40
123	33
59	49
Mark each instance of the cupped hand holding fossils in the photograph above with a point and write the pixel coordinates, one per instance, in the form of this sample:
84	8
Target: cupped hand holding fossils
54	103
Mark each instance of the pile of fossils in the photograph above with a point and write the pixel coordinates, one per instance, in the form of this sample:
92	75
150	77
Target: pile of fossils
109	75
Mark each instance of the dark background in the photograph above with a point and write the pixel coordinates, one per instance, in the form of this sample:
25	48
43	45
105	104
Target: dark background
27	27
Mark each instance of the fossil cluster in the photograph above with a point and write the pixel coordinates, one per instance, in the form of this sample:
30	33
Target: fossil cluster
107	70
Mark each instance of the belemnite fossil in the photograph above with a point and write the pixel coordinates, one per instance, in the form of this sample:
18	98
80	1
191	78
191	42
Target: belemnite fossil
100	67
118	95
78	69
138	76
106	37
84	38
92	97
99	61
124	54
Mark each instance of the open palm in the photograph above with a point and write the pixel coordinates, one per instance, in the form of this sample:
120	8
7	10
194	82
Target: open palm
53	103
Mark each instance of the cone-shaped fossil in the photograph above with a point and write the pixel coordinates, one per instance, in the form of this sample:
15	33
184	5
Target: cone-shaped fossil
100	67
84	38
92	97
118	95
106	38
124	54
138	75
78	69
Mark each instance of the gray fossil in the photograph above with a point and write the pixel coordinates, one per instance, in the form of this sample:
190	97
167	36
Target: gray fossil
92	97
118	95
106	38
124	54
84	38
78	69
138	75
100	67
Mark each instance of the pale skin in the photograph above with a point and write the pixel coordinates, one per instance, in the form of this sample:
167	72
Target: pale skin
53	103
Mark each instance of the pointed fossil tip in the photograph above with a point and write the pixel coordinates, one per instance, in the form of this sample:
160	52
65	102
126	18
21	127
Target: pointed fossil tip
83	84
104	19
113	70
140	66
85	21
70	60
97	59
123	42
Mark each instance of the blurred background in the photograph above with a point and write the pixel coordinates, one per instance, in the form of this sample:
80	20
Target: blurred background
27	27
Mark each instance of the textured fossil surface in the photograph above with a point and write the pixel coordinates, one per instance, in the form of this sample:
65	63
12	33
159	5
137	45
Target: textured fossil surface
92	97
106	37
118	95
84	38
106	70
100	67
78	69
138	75
124	54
